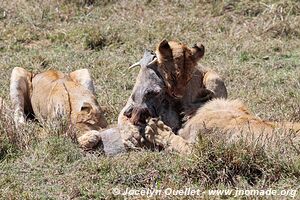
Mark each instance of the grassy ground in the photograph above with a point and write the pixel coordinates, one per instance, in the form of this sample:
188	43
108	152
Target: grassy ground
254	45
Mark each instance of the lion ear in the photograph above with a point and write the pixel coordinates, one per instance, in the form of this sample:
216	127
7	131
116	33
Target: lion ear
86	108
164	48
198	51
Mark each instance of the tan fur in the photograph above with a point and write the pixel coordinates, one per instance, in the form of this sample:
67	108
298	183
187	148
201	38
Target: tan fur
230	117
184	78
20	92
52	94
160	134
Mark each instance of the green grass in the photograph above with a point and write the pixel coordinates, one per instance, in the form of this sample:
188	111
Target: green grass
254	45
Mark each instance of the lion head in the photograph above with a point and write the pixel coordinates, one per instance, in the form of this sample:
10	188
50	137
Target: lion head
177	63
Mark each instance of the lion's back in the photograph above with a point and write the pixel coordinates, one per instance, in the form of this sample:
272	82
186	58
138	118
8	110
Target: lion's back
226	115
49	96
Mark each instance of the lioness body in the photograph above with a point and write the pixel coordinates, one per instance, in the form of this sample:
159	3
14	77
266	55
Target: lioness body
185	80
52	94
192	86
65	98
204	85
232	117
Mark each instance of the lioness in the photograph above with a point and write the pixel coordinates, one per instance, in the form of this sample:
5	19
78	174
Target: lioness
52	94
160	88
230	116
185	80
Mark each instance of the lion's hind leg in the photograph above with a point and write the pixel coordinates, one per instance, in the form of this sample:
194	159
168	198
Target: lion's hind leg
20	92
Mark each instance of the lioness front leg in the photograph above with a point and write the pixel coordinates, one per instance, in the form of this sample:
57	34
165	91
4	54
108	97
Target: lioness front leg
112	140
89	139
20	92
162	135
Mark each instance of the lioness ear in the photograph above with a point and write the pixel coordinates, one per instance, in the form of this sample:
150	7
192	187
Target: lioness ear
164	48
86	108
83	77
198	51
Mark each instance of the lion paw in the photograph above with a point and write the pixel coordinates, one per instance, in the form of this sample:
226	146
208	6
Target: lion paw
131	136
89	140
157	132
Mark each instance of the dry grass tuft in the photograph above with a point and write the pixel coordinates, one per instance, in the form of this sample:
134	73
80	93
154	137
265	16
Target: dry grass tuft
261	161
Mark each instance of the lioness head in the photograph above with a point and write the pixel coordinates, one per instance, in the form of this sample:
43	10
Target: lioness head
177	63
90	117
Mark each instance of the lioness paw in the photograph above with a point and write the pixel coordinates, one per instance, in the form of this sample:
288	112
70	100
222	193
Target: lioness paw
89	140
157	132
131	136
